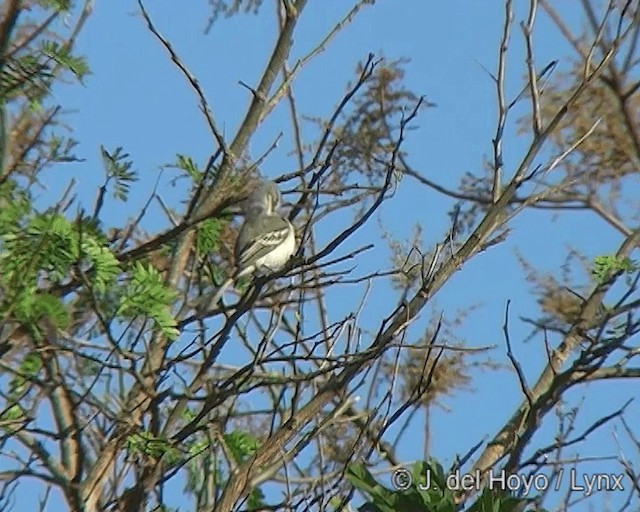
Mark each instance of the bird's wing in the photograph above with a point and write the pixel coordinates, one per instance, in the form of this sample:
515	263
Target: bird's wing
258	237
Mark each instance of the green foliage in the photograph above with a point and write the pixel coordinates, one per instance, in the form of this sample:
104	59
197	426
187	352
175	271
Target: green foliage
243	283
203	464
256	499
28	369
153	446
12	418
187	414
493	501
187	164
61	148
605	266
197	447
31	74
147	295
424	490
105	267
46	245
58	244
59	5
15	205
413	499
241	445
50	245
63	56
208	237
118	168
26	74
217	274
29	307
12	414
198	451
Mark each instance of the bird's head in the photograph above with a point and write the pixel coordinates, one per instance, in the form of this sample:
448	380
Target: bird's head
265	198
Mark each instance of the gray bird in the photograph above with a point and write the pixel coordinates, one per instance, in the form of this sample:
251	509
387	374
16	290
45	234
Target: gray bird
265	242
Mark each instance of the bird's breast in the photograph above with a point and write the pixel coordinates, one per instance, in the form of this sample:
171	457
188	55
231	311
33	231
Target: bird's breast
281	254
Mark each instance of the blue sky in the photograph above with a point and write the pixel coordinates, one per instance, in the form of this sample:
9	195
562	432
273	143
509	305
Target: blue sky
137	99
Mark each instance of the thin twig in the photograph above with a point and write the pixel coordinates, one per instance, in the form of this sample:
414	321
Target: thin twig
204	104
514	362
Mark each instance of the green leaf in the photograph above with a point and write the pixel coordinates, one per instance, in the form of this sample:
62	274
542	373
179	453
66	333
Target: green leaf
12	414
146	295
12	419
61	149
50	307
197	447
105	266
241	445
28	75
360	477
31	364
27	369
445	506
62	55
495	501
29	307
35	106
118	168
256	499
187	414
15	206
152	446
208	237
60	5
605	266
187	164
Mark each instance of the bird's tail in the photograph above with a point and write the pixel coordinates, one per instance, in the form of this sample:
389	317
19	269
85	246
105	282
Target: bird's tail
207	302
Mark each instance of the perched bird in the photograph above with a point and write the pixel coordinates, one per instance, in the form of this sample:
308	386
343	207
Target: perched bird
265	241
